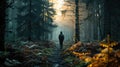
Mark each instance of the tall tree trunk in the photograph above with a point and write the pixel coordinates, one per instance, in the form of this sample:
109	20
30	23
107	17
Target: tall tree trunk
29	23
77	33
2	23
107	23
2	27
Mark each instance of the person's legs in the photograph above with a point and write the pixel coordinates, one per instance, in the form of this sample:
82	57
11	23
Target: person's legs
61	44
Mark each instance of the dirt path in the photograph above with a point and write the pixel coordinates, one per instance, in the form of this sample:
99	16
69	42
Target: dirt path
55	58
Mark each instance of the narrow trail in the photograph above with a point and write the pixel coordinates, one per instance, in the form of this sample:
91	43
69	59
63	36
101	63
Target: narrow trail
55	58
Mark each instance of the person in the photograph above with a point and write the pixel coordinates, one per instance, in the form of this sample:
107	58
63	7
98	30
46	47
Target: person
61	39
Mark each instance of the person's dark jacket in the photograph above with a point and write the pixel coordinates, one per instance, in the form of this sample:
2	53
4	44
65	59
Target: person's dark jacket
61	37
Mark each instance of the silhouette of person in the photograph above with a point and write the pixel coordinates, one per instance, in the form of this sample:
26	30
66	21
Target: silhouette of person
61	39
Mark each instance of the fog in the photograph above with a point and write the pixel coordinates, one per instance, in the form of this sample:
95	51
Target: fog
65	17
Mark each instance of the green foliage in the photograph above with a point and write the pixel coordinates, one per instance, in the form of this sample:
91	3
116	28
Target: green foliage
47	51
3	53
34	18
69	59
82	64
75	62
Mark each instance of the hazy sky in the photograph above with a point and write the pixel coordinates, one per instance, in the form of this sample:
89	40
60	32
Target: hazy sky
65	17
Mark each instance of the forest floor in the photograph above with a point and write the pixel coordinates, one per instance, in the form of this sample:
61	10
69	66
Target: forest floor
56	58
49	54
32	54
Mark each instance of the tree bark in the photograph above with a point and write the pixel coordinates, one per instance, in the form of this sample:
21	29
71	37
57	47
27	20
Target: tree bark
29	23
2	28
77	33
2	23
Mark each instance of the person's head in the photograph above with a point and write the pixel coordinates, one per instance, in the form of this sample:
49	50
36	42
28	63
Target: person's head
61	32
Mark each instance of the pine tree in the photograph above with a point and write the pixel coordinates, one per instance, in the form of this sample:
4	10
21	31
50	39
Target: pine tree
35	18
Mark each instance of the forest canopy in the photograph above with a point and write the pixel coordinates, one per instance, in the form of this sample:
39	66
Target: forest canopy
32	21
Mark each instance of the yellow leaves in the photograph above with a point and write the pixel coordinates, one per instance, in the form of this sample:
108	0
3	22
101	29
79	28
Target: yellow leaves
75	46
72	48
97	64
114	44
108	44
106	55
77	54
88	59
107	50
80	53
101	57
82	56
104	45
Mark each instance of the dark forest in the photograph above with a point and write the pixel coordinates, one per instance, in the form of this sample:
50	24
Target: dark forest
59	33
